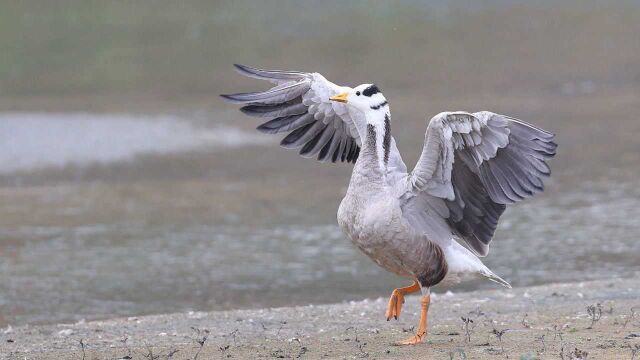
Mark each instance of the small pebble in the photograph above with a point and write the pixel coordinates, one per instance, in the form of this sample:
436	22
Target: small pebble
65	332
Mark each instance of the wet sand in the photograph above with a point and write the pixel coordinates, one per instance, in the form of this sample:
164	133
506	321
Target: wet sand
535	323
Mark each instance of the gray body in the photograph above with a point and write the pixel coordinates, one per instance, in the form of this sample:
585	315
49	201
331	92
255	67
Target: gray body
371	216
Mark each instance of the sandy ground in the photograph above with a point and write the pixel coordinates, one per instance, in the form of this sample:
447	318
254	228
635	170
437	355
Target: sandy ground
544	322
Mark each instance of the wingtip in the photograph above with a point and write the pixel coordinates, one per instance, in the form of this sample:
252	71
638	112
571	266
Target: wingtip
240	66
245	70
229	98
247	110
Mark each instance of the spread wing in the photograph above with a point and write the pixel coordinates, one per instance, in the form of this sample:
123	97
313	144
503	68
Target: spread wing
477	164
299	105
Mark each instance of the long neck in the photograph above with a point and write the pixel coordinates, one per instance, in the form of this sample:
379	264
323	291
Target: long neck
376	145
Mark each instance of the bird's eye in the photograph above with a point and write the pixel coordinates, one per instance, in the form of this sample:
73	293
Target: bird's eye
357	93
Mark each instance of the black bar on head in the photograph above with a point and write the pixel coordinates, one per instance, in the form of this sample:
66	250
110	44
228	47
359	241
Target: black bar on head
371	90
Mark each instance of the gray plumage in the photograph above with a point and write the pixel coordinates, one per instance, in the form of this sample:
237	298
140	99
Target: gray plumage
470	168
299	105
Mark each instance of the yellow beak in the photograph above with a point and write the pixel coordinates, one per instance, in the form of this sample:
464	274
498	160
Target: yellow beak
340	97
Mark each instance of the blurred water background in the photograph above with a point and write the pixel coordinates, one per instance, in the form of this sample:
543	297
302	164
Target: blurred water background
128	187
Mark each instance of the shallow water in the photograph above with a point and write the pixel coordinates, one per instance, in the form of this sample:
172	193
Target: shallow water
40	140
204	215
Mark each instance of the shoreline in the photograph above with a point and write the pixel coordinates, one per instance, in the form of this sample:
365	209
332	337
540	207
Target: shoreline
534	322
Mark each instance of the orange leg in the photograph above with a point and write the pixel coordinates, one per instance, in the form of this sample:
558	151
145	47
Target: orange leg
421	333
397	299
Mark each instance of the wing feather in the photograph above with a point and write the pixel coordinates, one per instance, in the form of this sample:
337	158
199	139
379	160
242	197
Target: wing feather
477	164
286	123
277	95
279	110
299	105
275	76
